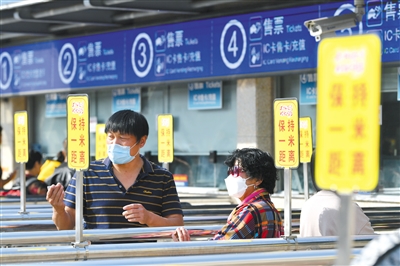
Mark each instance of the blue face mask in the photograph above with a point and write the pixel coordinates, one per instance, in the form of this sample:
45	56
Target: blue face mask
120	154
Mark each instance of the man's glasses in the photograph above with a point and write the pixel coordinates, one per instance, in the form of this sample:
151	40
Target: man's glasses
235	171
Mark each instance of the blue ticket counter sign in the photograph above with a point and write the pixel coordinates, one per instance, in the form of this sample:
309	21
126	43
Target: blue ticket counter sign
126	98
56	104
308	88
205	95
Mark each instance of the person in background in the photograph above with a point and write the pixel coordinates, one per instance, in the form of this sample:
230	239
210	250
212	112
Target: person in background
32	184
12	176
62	174
124	190
50	165
319	215
251	178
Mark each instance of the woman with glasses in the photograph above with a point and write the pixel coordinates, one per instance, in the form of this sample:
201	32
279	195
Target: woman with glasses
251	178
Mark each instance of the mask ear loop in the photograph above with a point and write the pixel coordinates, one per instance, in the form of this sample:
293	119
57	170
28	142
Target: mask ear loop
134	156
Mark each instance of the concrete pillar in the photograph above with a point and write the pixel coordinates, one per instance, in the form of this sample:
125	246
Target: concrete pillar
255	98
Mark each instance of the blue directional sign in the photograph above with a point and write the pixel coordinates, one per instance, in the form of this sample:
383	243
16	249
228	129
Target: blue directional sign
93	61
56	104
257	43
126	98
205	95
308	88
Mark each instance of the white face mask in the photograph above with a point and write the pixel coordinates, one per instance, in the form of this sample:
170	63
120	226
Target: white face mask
120	154
236	186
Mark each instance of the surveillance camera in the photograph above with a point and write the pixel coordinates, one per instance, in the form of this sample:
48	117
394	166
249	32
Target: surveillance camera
328	26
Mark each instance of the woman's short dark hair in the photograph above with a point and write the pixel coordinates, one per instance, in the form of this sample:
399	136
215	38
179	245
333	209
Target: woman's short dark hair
128	122
256	164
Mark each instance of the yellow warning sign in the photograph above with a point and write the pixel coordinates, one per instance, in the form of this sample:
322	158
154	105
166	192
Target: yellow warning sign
165	138
286	128
78	131
21	137
305	139
349	82
101	142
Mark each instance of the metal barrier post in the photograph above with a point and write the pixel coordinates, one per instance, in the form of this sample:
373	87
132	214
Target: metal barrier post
22	179
305	175
79	211
288	201
345	241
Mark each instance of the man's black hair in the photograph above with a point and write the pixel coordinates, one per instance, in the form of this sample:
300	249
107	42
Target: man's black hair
34	156
257	164
128	122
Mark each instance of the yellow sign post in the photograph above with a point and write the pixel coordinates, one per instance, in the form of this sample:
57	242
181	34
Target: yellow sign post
286	129
165	138
78	152
78	131
349	81
305	139
347	150
21	137
101	144
305	149
21	151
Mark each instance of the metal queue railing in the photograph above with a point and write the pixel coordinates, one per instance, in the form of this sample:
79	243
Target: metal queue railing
306	258
167	248
382	219
35	244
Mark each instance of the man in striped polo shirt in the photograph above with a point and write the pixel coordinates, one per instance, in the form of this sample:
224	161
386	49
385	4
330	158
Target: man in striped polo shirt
123	190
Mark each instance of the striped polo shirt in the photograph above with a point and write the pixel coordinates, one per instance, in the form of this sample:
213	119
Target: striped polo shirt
104	196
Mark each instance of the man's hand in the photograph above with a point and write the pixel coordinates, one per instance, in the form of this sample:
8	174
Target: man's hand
55	196
136	213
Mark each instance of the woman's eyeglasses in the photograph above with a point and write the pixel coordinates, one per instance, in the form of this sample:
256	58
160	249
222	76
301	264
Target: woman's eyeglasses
235	171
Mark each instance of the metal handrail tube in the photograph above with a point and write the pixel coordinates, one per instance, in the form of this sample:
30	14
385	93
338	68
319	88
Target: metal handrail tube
108	251
28	210
101	235
27	225
25	216
110	235
6	206
48	225
10	218
306	257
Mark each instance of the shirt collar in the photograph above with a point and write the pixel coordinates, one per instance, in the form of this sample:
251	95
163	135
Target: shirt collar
256	194
147	165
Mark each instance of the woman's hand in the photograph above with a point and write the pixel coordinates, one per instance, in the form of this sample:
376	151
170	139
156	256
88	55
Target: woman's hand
181	234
